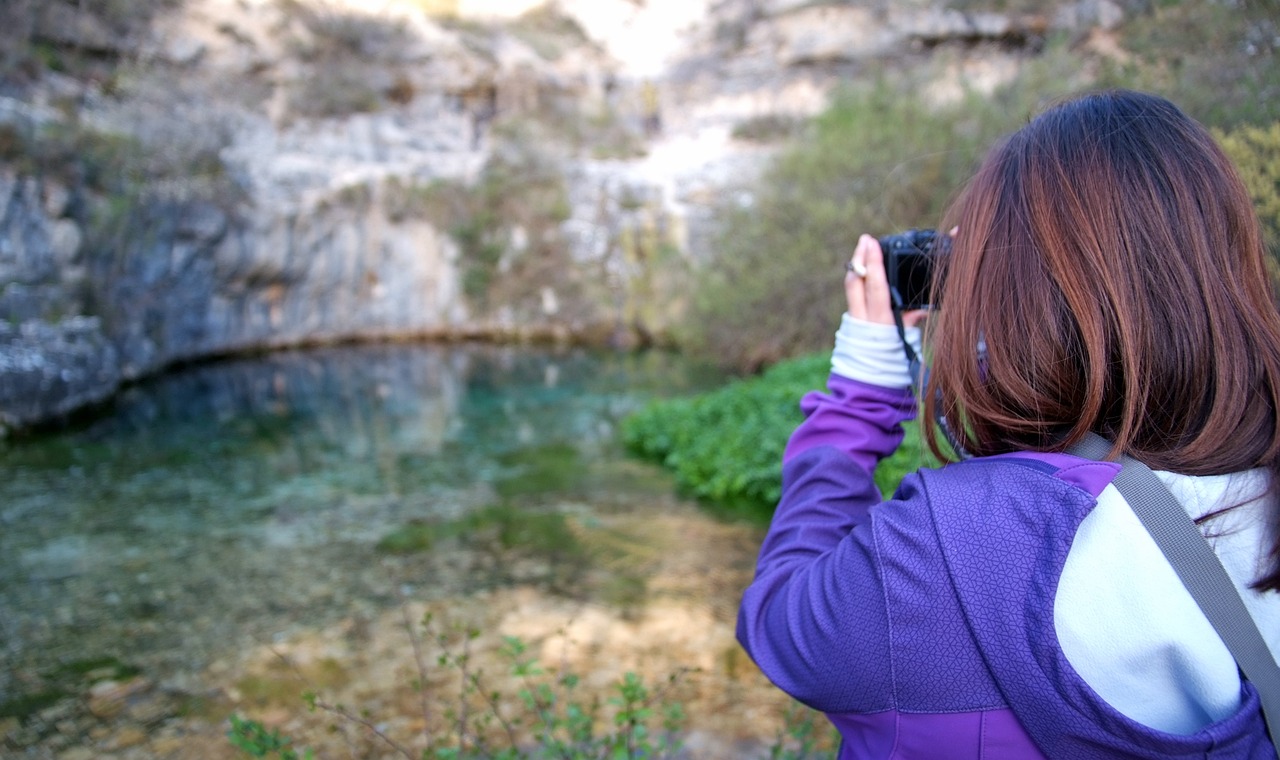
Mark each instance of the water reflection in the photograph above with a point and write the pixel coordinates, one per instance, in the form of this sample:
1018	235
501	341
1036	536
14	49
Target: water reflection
270	500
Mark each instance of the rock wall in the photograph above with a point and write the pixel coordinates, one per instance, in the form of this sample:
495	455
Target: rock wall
52	360
285	172
187	282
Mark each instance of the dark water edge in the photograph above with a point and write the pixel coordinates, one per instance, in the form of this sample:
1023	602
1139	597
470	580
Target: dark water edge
234	503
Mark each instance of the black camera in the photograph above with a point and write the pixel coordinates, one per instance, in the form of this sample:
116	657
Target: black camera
909	259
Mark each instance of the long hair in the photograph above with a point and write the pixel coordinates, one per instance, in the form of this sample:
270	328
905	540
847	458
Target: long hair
1109	258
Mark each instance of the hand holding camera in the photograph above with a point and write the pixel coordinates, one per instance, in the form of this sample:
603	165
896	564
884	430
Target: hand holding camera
894	274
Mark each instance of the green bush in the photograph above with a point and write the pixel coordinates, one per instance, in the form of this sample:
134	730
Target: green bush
1216	60
885	156
1256	152
535	712
518	188
767	128
726	446
878	160
548	31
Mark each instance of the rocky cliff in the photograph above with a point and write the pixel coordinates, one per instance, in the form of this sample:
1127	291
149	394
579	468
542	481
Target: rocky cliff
189	178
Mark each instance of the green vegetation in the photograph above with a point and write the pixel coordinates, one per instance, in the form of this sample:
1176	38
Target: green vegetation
879	159
349	54
887	156
553	467
1256	152
1216	60
520	188
111	164
255	740
801	736
65	681
767	128
535	712
515	530
26	705
69	37
726	446
548	31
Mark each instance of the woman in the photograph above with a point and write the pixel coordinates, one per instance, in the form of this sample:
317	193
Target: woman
1011	605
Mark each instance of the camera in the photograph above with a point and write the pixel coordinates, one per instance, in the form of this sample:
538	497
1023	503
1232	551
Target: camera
909	259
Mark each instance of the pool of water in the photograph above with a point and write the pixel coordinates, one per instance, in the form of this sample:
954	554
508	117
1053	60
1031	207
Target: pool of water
220	515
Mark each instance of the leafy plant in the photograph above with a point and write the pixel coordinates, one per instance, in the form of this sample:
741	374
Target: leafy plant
800	737
255	740
536	713
633	723
726	445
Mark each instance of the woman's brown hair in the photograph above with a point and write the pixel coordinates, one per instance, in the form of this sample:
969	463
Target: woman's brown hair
1109	258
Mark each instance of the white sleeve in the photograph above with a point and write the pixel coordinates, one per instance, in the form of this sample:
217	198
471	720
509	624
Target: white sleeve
872	353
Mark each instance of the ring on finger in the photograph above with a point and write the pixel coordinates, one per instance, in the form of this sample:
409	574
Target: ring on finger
859	269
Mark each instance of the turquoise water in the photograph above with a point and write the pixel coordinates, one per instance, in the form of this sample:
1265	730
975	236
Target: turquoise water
238	502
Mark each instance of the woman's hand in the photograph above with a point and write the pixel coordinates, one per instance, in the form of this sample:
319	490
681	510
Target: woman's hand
866	287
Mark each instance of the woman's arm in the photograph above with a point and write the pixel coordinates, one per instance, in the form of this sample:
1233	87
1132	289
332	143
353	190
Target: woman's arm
815	618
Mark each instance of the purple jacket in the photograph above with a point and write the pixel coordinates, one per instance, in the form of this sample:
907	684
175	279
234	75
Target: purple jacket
923	625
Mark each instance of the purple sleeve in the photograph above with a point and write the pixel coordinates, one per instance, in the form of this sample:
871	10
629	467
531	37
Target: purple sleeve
814	619
864	421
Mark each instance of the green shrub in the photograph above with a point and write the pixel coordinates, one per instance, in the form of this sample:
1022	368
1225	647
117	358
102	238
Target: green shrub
1256	153
350	56
767	128
878	160
518	188
883	157
726	446
1216	60
255	740
535	712
548	31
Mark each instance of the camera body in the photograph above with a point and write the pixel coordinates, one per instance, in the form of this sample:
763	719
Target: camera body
909	259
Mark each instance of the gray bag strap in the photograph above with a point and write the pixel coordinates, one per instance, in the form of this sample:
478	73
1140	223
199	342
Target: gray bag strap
1200	570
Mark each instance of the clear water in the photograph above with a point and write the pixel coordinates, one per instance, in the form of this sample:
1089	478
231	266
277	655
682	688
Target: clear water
241	502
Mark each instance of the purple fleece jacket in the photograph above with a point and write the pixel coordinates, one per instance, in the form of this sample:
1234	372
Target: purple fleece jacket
923	625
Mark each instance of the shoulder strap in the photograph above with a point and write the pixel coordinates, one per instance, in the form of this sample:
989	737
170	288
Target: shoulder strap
1200	571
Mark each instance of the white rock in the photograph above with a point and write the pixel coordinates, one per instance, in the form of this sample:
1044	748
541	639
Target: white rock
64	241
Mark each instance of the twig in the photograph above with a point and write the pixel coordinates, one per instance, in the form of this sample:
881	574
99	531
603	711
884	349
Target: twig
464	707
368	724
422	669
510	729
335	710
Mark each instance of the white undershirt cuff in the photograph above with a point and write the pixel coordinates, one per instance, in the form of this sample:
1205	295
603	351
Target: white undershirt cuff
872	353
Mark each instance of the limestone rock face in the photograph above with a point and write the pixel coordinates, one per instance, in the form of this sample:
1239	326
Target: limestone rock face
52	369
274	173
